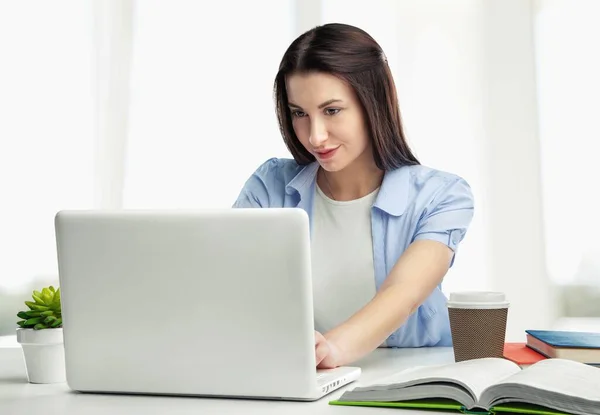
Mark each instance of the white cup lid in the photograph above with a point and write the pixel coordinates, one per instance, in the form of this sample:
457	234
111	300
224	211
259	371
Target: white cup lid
477	299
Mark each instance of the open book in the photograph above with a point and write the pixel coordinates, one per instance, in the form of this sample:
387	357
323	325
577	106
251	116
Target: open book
490	385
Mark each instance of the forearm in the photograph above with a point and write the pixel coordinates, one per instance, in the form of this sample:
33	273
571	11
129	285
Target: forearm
412	279
371	325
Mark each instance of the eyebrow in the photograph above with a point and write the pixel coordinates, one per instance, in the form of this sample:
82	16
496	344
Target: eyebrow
321	106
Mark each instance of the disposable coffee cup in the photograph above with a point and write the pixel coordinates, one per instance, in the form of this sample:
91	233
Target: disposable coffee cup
478	324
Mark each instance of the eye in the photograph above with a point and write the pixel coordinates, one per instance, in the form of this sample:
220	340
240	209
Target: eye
332	111
298	114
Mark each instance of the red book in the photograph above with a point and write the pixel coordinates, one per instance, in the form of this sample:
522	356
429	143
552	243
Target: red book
522	355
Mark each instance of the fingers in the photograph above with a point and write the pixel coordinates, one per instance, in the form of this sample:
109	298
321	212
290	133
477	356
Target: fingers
321	347
321	351
319	338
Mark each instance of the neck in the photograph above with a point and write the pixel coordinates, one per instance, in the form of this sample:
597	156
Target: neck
353	182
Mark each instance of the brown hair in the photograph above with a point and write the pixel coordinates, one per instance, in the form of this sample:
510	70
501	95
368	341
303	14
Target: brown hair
354	56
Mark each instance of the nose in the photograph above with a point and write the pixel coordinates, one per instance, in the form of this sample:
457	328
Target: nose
318	133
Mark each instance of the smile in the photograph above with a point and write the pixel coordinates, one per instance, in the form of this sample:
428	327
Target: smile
327	154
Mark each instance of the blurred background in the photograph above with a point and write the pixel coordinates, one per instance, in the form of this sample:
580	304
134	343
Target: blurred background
155	104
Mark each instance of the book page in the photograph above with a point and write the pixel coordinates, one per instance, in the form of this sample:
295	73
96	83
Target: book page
475	375
561	376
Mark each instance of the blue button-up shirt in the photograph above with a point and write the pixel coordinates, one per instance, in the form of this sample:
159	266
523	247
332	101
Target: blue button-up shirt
413	203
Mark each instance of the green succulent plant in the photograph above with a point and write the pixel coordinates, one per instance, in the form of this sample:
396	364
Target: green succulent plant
44	312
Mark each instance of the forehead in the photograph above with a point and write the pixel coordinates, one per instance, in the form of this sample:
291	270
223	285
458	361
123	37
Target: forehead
313	88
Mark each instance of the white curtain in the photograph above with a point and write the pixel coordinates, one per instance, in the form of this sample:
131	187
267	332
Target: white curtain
112	47
46	132
152	104
568	64
202	112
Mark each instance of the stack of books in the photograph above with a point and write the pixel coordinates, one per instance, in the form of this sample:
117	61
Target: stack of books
583	347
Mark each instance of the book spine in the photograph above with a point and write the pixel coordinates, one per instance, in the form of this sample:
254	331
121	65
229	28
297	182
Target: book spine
464	410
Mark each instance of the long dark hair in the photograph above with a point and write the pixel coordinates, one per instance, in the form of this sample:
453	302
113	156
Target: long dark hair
354	56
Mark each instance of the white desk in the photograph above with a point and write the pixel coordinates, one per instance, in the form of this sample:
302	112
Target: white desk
18	397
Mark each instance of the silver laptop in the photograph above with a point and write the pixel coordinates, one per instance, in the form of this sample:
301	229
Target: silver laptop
207	303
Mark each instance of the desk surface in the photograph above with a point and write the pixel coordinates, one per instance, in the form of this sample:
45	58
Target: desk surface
18	397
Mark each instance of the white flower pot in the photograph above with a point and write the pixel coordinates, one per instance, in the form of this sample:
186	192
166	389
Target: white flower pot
44	354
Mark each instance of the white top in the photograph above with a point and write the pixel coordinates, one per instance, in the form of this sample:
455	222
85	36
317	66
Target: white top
342	258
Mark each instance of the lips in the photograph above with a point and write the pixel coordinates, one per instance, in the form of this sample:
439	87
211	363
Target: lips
327	153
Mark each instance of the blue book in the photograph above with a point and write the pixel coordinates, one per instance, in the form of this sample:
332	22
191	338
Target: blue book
557	338
580	346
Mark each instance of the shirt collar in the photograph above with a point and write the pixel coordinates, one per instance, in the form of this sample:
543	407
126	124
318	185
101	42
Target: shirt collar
304	180
394	192
303	183
392	197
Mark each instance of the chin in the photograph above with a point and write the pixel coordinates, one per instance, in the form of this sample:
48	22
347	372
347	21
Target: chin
332	166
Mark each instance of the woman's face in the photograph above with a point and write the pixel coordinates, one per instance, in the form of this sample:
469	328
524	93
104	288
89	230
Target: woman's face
328	119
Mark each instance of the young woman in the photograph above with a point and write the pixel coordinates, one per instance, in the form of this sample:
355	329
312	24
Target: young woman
384	229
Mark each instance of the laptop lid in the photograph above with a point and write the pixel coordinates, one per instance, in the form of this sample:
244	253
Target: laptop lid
213	302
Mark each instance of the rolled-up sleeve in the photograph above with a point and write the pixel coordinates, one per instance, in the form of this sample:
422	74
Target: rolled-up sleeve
448	216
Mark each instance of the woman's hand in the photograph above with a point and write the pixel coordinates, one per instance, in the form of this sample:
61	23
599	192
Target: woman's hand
327	353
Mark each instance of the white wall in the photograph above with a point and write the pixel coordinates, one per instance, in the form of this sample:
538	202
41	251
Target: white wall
202	112
46	131
568	64
517	251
